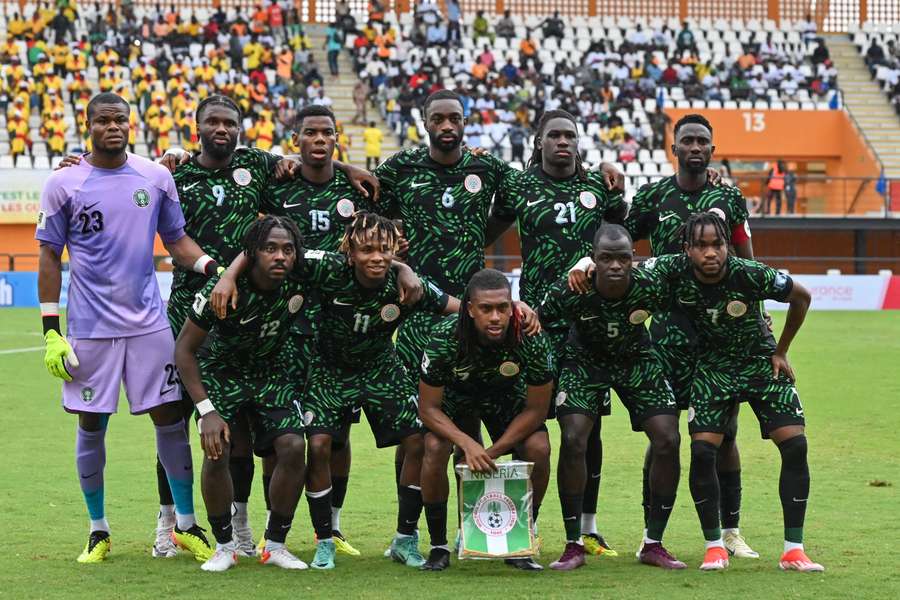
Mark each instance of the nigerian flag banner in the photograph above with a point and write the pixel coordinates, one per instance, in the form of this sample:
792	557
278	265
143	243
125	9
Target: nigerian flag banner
495	511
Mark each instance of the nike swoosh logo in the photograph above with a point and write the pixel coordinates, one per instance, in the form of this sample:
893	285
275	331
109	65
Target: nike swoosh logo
667	507
533	202
285	526
89	476
597	476
584	318
701	502
414	521
339	303
90	206
166	391
667	217
286	205
799	500
734	512
568	518
245	321
686	301
420	184
187	187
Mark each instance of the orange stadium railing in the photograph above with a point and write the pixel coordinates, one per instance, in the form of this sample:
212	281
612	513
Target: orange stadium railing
829	15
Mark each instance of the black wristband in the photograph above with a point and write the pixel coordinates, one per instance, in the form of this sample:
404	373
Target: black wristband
51	322
211	268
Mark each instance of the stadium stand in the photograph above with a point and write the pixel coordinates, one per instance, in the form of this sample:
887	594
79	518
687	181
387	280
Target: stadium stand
613	72
880	47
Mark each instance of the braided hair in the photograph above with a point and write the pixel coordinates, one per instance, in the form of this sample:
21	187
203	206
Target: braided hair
485	279
537	156
258	233
697	221
366	225
218	100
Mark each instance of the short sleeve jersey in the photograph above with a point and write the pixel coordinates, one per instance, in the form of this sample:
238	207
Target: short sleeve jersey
444	210
108	219
358	323
727	315
321	211
556	219
658	213
485	369
608	328
248	340
220	205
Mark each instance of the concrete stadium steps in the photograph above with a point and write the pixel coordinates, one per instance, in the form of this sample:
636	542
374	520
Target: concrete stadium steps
340	90
867	102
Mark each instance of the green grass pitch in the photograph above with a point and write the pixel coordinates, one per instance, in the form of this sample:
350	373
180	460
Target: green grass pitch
847	368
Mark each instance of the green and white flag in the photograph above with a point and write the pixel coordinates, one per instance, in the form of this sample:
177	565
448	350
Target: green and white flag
495	511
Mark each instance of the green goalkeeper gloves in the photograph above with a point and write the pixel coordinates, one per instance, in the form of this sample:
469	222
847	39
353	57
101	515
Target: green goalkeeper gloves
58	350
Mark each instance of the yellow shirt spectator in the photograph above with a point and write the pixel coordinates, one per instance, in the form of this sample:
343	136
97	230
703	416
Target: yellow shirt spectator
372	138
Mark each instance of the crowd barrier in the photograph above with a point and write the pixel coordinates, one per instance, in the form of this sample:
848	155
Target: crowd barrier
829	292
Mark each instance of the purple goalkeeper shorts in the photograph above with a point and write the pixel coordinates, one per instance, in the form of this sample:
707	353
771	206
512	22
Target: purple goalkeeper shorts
144	363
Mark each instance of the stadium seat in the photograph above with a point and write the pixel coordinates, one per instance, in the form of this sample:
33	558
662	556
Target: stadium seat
6	162
666	169
23	162
41	162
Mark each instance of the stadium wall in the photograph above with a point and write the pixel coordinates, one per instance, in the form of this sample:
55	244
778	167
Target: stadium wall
829	292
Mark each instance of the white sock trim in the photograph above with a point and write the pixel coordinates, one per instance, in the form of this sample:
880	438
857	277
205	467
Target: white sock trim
321	494
99	525
715	544
788	546
185	522
589	523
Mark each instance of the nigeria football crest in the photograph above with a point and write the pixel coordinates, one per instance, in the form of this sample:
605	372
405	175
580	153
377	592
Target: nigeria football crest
495	514
141	197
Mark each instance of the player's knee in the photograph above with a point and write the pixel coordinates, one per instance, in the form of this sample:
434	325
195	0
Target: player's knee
413	447
320	448
665	443
290	449
703	455
218	466
793	452
436	448
537	447
573	442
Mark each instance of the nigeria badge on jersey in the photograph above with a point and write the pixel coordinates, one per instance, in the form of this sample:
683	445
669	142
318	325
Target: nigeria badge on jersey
242	177
141	197
472	183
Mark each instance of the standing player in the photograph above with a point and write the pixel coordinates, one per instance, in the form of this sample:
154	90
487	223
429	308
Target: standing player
107	211
240	373
658	212
739	360
558	206
480	367
321	200
609	348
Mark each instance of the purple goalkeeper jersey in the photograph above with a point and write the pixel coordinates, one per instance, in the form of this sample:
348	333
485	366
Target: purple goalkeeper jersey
108	218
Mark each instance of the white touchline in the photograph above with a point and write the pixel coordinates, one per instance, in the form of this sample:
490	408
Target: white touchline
21	350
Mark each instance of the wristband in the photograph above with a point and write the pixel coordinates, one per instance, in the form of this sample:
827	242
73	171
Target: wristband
206	265
50	317
204	407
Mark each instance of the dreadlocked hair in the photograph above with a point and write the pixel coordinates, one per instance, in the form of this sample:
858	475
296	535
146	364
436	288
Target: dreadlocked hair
697	221
258	233
219	100
536	155
485	279
366	225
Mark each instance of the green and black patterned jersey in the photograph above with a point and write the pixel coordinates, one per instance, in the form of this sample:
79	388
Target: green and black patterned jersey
219	205
609	329
444	210
249	338
321	211
556	219
658	212
727	316
358	322
486	369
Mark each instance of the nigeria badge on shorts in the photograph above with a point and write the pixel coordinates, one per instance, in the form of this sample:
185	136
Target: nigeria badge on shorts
141	198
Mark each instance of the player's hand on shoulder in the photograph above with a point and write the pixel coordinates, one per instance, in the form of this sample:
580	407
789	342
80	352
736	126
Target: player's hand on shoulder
403	249
478	459
224	292
214	433
174	158
364	182
70	160
781	366
531	324
479	151
614	178
715	178
580	276
286	169
409	286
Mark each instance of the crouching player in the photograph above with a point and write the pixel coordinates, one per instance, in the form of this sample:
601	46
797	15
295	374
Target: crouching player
239	372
